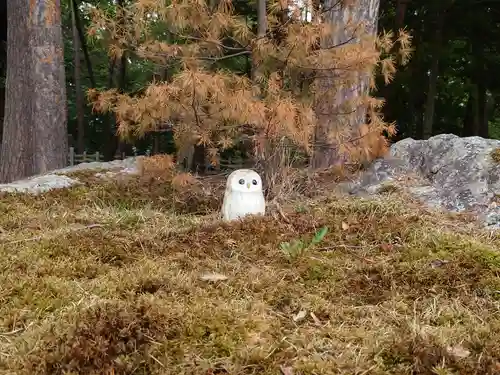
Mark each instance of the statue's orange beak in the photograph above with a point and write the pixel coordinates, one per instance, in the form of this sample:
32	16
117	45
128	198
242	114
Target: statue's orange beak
248	185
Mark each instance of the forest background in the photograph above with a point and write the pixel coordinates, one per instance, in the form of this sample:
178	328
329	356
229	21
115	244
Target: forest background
449	84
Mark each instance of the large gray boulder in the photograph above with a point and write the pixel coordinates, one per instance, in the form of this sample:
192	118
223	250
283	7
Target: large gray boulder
57	179
447	171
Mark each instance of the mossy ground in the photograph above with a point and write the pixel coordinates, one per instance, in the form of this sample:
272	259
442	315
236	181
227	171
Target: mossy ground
105	278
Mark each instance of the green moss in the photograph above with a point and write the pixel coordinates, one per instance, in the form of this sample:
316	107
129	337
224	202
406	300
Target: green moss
105	277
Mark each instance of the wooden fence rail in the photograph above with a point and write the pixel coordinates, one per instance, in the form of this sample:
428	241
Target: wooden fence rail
73	159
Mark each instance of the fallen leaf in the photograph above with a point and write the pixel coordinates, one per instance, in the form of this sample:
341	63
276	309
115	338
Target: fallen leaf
315	318
345	226
300	316
286	370
439	263
230	242
213	277
458	351
386	247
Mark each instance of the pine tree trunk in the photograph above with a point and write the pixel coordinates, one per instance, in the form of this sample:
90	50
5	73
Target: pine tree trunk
16	159
83	43
489	106
482	108
468	123
480	77
327	151
3	58
35	132
2	110
49	97
401	6
431	99
78	87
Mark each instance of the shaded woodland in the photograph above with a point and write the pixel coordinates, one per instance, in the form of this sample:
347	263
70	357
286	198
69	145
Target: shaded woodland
449	86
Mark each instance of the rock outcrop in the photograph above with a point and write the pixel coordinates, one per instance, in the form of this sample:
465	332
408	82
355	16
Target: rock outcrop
57	179
447	171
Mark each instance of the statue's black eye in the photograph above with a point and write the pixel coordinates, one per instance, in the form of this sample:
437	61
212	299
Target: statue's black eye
241	181
254	182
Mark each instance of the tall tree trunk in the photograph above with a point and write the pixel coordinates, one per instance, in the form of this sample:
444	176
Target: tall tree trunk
481	80
468	123
50	111
3	58
16	160
110	140
433	78
2	110
482	107
390	91
3	38
431	99
83	42
123	147
489	105
35	132
401	6
78	87
327	150
419	109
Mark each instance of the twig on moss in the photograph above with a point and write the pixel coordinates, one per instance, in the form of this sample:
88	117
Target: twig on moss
38	238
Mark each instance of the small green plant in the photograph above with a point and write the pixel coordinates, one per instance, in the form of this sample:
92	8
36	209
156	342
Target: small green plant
297	247
300	209
388	188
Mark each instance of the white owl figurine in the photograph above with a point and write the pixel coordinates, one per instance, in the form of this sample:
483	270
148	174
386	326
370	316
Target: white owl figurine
243	195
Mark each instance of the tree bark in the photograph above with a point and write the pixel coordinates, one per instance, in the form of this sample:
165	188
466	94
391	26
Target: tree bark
50	109
17	147
3	59
35	132
328	109
78	87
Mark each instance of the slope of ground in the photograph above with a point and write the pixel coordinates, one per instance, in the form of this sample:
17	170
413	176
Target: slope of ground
125	278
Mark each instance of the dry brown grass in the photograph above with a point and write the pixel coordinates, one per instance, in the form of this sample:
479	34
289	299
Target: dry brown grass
106	279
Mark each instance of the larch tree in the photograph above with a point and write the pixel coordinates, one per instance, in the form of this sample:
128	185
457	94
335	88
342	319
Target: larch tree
208	104
35	127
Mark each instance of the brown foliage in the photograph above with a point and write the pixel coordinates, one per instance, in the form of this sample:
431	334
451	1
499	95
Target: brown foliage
159	166
207	103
